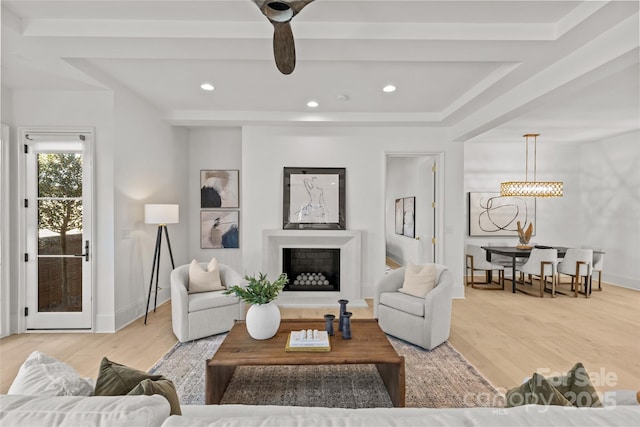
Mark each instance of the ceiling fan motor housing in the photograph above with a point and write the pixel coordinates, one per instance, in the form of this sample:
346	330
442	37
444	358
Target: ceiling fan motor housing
278	11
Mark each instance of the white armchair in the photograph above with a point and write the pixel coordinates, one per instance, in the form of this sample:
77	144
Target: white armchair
207	313
425	322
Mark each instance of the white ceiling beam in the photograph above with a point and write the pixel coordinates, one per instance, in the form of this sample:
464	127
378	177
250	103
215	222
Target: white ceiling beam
11	20
118	28
578	15
477	90
228	118
607	48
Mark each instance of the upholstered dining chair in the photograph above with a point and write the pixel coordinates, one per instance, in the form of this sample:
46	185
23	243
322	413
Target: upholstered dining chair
505	261
541	264
597	264
424	321
476	260
577	264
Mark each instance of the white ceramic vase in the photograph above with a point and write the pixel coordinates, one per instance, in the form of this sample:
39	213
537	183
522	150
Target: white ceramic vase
263	321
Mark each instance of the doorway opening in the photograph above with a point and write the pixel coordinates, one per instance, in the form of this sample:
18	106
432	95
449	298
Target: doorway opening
413	177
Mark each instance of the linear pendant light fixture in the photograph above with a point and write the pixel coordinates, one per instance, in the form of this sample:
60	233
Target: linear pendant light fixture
533	188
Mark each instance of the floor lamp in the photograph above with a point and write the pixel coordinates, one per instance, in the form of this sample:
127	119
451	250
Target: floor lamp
161	215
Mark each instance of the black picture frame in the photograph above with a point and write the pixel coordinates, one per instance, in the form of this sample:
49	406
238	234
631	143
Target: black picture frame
313	198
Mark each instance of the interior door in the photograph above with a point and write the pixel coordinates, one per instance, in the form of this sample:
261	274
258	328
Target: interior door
425	212
58	230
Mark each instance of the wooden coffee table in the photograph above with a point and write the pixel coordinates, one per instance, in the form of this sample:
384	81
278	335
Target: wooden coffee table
369	345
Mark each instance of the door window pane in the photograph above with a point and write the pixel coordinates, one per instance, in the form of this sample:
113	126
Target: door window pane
59	175
59	227
59	284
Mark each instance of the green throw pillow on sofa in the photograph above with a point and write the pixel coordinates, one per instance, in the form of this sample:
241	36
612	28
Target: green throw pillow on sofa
576	387
115	379
163	387
537	391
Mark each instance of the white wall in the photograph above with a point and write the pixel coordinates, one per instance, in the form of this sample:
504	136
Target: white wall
601	192
150	165
267	150
609	205
488	164
138	159
212	149
72	109
7	191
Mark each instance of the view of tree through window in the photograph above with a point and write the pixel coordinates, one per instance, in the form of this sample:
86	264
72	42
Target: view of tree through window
60	231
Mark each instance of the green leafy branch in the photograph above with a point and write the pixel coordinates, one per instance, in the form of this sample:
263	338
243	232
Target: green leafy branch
259	290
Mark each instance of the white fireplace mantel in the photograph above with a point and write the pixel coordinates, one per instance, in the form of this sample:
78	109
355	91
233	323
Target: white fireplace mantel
350	244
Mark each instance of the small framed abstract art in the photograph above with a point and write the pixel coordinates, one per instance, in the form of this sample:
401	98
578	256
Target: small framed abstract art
219	229
399	216
409	216
493	215
219	188
313	198
406	216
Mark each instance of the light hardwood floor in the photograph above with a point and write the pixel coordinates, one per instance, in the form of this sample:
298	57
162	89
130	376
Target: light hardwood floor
505	336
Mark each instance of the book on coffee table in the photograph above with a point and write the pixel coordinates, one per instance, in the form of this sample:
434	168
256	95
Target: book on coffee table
308	341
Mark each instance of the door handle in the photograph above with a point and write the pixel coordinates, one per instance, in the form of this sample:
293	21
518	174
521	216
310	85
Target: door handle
85	255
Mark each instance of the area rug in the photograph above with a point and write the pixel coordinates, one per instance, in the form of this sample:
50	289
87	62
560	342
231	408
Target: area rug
441	378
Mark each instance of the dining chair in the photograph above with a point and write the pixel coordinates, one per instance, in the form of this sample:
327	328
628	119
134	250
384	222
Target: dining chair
541	264
597	264
476	260
577	264
505	261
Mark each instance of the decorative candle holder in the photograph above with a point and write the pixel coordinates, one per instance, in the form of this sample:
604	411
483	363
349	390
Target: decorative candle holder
343	308
346	326
329	323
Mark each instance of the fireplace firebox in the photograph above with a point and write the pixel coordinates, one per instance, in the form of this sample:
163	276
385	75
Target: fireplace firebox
311	269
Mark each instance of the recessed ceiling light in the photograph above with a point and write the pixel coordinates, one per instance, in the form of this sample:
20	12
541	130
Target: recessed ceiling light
207	86
312	104
389	88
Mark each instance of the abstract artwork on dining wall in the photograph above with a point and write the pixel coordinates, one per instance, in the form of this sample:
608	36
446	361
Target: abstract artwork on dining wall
314	198
493	215
219	229
219	189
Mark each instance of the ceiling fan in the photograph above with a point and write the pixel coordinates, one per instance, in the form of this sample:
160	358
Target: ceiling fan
280	13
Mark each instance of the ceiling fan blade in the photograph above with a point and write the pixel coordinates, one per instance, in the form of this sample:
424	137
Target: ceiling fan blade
297	5
280	13
284	49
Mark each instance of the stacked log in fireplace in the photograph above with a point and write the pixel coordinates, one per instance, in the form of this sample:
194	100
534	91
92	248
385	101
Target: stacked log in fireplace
312	269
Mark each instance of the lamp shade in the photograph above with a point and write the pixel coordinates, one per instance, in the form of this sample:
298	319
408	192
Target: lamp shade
161	214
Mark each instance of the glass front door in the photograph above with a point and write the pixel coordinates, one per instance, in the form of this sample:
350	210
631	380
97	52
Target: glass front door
58	233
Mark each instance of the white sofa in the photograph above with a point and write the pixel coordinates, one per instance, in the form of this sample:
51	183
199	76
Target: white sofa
149	411
203	314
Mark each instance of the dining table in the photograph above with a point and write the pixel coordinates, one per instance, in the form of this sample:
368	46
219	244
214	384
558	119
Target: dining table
514	253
